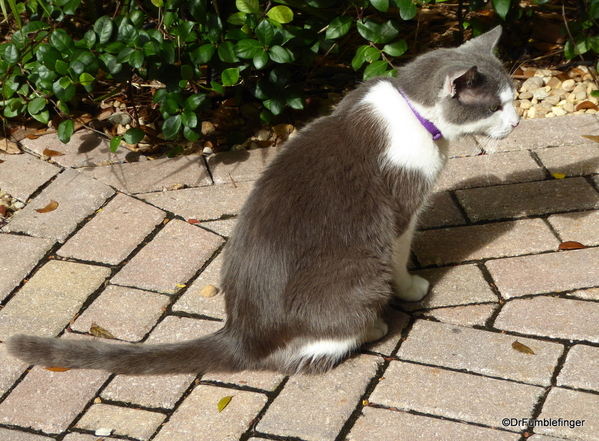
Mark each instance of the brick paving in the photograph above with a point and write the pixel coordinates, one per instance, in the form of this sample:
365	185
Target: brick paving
509	331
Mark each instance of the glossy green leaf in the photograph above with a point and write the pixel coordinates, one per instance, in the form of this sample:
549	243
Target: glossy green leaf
261	60
171	126
103	27
11	55
43	117
195	101
62	42
86	79
133	135
375	69
280	54
226	52
115	143
190	134
396	49
502	7
248	48
61	67
202	54
36	105
276	105
224	402
230	76
281	14
365	54
189	119
407	9
338	27
65	130
381	5
248	6
265	32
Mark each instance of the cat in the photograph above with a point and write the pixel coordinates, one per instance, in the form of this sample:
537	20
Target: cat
322	243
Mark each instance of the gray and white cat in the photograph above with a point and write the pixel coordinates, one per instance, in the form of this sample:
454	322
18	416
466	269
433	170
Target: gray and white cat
322	243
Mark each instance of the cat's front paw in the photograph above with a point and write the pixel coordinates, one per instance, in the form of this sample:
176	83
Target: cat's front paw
416	291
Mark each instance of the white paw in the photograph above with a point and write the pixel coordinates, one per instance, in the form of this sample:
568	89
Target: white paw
416	291
377	331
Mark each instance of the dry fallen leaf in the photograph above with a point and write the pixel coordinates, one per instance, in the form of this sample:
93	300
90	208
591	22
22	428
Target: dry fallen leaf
100	332
9	147
570	245
53	205
52	153
522	348
193	221
591	137
209	291
57	369
559	175
586	105
224	402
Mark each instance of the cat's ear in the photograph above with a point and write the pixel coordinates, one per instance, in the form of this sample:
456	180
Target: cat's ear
460	80
485	42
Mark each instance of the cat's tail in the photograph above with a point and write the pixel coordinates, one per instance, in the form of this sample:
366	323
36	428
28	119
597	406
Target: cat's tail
212	353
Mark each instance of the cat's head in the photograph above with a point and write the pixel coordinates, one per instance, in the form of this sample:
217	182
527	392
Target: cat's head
466	90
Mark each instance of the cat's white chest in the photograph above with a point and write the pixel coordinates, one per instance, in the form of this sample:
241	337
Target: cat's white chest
409	144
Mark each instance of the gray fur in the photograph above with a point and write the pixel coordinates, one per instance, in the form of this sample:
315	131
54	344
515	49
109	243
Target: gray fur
310	259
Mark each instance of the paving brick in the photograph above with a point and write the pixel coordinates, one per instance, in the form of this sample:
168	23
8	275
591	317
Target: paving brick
160	391
528	199
12	369
298	409
85	149
204	203
545	273
194	303
455	395
198	417
22	175
78	197
463	315
441	210
20	254
580	227
127	313
573	160
81	437
453	286
468	146
384	424
551	317
172	257
476	242
240	166
157	175
114	232
482	352
537	133
492	169
13	435
50	299
571	405
136	423
50	401
221	227
581	369
542	438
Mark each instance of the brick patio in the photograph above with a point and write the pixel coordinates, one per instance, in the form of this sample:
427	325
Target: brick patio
119	252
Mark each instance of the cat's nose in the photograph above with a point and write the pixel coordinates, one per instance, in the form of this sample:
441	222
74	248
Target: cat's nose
515	122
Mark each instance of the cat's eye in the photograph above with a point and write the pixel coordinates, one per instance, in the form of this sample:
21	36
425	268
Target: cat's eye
495	108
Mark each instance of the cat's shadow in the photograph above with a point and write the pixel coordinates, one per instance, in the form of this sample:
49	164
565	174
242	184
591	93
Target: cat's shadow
462	254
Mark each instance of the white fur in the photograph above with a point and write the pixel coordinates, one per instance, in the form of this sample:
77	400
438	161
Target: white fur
410	145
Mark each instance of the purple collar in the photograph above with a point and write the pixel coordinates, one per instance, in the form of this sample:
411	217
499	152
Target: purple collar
428	125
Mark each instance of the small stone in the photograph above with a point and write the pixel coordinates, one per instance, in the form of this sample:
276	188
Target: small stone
263	135
591	112
209	291
532	83
540	93
18	205
207	128
558	111
525	95
569	85
103	432
580	96
554	83
553	100
525	104
207	151
568	107
580	88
